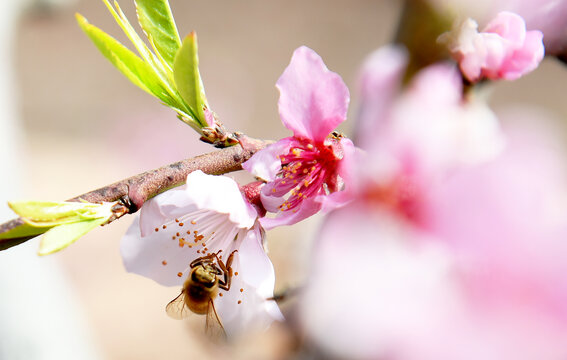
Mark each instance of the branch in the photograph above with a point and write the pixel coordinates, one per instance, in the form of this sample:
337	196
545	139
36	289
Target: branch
134	191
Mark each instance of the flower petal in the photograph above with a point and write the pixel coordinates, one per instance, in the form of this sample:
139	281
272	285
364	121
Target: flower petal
223	197
504	50
509	26
367	271
169	205
309	206
347	168
266	163
380	80
245	305
313	100
526	58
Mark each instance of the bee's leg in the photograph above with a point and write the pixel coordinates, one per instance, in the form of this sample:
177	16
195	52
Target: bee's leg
226	271
229	260
202	260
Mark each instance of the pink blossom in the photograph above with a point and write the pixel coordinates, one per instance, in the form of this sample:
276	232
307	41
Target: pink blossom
503	50
548	16
304	169
206	215
448	251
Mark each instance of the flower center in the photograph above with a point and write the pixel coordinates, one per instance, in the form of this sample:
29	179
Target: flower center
307	169
400	196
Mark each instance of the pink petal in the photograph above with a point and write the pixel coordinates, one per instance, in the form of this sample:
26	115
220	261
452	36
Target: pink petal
509	26
432	130
525	59
380	80
496	51
504	50
270	202
406	286
508	225
448	85
346	170
308	207
266	163
313	100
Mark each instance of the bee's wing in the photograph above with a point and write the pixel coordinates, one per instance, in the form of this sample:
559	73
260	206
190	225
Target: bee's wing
177	309
213	326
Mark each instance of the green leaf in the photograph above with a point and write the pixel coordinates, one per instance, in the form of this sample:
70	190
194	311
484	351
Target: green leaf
64	235
157	21
160	69
51	213
48	213
24	230
187	78
133	67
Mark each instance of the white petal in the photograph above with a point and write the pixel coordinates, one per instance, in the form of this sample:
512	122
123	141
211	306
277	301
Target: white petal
256	278
220	194
164	255
201	192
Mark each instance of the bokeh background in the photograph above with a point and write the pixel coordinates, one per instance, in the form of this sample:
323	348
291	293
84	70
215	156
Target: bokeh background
71	123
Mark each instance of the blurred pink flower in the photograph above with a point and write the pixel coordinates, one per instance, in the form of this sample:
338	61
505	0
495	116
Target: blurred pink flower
548	16
204	216
503	50
454	246
303	170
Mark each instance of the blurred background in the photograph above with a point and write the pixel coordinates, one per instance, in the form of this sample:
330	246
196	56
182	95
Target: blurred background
70	122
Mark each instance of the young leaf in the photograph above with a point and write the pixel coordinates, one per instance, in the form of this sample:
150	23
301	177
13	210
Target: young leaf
46	214
155	62
157	21
133	67
188	80
51	213
62	236
23	230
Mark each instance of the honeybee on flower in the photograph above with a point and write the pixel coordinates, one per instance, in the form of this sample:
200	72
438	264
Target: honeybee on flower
185	232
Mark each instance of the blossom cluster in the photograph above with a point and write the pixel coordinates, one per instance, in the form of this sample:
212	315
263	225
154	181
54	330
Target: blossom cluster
445	229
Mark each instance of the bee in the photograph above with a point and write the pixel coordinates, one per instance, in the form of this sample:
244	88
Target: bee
208	275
